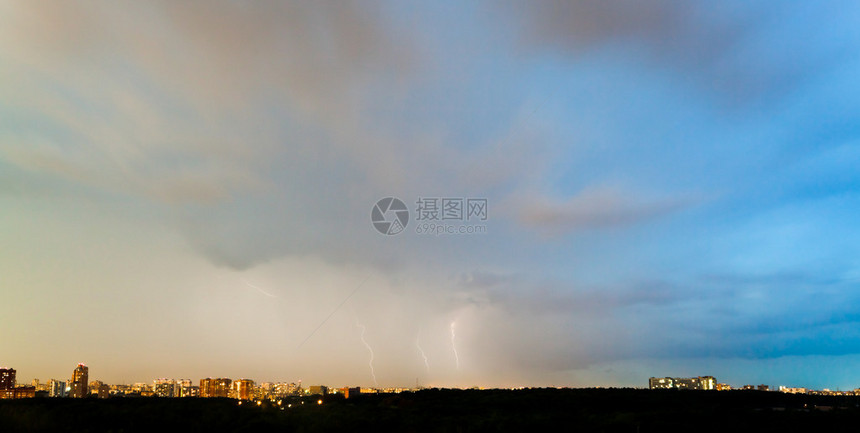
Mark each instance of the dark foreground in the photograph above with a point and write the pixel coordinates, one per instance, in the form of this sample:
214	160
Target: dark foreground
531	410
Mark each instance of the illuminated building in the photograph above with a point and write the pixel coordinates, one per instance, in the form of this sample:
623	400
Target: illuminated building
210	387
140	388
78	382
244	389
8	388
707	383
699	383
285	389
103	391
186	389
206	387
318	390
18	392
165	388
687	383
793	390
120	389
222	387
56	388
93	387
661	383
264	391
351	392
7	378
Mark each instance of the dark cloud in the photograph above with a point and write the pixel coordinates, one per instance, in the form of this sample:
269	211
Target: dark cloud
761	316
583	24
241	123
558	326
556	298
724	48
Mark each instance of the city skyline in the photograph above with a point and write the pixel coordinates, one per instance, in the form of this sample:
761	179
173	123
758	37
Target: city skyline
224	386
494	194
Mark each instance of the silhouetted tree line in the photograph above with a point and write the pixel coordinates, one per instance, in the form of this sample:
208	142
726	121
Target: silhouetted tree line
436	410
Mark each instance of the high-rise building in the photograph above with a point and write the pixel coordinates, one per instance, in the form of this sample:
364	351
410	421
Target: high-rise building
78	382
57	388
222	387
244	389
184	388
210	387
7	378
707	383
103	390
206	387
8	388
165	388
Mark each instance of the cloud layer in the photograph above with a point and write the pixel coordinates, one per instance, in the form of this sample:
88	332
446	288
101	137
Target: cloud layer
667	182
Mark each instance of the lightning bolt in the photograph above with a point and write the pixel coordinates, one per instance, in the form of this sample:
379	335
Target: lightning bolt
261	290
421	351
369	349
454	346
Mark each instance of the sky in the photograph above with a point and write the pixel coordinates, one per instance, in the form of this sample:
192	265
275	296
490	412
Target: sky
671	190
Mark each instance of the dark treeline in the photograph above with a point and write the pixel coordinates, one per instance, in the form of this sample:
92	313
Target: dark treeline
529	410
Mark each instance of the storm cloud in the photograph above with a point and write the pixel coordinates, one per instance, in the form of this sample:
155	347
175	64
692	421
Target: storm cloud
196	179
